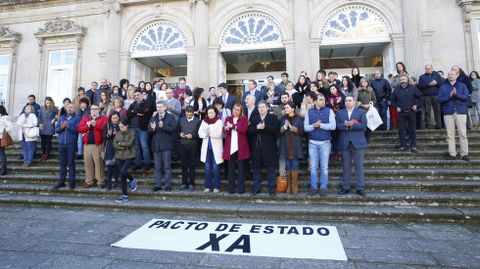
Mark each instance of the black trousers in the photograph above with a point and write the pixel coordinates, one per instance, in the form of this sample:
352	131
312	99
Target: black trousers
124	175
236	181
3	157
46	144
113	170
188	154
407	124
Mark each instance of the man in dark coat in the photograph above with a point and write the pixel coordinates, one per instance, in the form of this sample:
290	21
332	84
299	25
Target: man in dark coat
163	127
405	99
263	129
351	122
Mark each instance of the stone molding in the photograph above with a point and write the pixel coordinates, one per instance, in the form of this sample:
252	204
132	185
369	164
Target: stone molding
10	37
61	28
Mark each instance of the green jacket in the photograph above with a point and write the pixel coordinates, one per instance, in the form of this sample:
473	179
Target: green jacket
124	144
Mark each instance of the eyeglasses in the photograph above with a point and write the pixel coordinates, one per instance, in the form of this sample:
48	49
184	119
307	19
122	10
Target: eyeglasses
93	108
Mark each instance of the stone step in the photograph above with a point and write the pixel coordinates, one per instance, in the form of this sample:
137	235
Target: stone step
395	198
369	163
255	209
392	154
386	173
380	185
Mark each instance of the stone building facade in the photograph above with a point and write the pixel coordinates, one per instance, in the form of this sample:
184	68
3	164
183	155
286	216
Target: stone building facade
51	47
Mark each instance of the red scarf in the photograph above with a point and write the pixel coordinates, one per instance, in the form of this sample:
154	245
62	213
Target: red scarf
210	121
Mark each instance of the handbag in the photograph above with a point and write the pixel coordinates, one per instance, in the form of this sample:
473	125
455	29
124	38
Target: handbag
33	132
373	118
281	184
6	140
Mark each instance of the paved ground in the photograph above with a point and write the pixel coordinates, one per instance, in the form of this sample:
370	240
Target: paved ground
67	238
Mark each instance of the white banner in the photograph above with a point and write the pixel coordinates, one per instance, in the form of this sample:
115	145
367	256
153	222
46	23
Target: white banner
266	240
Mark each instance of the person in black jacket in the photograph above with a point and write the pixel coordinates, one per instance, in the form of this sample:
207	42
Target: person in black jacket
138	115
163	126
109	133
188	129
405	100
429	84
263	129
382	90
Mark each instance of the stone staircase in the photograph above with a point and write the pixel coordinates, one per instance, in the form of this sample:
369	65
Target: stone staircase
401	186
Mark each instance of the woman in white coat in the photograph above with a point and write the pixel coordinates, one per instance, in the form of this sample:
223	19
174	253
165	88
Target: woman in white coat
212	148
5	126
30	132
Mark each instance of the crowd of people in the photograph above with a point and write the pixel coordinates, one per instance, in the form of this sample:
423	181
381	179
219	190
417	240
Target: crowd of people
118	129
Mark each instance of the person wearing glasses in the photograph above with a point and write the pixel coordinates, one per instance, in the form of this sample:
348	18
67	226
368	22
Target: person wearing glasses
91	127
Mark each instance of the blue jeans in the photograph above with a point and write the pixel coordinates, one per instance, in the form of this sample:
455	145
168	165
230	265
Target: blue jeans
66	156
80	145
163	162
319	152
3	157
291	164
143	150
211	170
382	110
28	149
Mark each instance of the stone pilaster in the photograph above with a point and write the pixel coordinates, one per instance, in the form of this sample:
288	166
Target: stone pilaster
398	42
301	35
290	57
427	37
314	56
200	77
112	30
413	43
472	46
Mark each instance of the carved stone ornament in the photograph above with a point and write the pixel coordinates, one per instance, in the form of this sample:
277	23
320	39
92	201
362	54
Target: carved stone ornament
61	25
6	32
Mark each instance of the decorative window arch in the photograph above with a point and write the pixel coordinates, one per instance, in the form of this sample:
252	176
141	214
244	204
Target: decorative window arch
355	22
159	38
252	29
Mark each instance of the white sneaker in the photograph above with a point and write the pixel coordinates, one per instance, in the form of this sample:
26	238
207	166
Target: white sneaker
216	190
206	190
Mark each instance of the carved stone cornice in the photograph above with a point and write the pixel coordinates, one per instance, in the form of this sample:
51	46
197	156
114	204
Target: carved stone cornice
9	37
61	25
61	28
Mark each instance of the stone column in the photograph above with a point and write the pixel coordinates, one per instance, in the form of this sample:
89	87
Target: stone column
124	65
314	57
302	36
290	57
413	45
471	33
427	37
191	67
216	66
112	30
200	77
398	40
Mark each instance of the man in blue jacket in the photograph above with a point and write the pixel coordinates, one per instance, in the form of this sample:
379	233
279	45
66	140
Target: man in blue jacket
351	122
429	84
66	128
453	97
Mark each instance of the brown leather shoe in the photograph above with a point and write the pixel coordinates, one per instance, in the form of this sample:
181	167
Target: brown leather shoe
87	185
101	185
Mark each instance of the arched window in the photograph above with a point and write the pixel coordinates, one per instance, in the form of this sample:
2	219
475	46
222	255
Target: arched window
159	38
355	22
252	29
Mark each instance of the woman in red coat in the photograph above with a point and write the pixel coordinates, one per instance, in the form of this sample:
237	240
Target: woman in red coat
236	148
